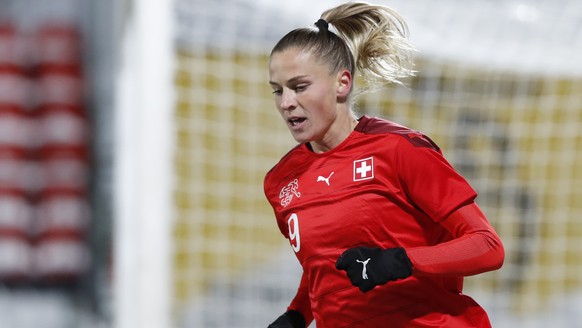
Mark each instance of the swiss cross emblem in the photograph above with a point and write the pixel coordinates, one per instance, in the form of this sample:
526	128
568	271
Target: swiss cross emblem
364	169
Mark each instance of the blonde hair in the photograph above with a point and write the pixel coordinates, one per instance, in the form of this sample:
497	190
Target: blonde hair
371	40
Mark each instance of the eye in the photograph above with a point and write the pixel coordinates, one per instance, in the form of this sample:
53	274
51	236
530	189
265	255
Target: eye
300	87
277	92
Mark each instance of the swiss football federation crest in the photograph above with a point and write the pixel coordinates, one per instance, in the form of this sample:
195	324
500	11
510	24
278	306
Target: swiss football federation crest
287	193
364	169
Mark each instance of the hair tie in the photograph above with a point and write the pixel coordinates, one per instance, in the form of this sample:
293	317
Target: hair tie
322	25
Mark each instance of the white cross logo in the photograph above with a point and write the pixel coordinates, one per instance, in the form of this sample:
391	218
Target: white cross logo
364	169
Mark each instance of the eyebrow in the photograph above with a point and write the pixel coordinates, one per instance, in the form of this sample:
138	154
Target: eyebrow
291	80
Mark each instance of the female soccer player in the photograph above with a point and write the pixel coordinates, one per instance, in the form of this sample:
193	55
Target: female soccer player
383	226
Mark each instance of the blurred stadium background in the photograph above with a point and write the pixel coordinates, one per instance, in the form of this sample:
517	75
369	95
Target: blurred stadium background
134	137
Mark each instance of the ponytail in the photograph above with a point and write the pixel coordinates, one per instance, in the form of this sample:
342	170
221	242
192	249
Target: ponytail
378	39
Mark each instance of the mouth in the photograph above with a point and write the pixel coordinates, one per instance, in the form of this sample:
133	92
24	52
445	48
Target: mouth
296	121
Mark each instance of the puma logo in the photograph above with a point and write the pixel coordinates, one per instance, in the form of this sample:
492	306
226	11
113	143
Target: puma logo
364	263
324	179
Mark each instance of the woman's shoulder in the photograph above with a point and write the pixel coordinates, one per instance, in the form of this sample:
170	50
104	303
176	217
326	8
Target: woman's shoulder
380	126
291	159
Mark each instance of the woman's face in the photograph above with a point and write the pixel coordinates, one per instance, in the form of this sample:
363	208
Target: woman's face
306	94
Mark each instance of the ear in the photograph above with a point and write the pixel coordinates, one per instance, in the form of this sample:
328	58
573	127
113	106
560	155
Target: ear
344	80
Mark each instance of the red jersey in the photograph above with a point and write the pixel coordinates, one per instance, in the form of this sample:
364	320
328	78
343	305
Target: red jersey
384	186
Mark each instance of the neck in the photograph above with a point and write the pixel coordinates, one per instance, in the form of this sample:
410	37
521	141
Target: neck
337	133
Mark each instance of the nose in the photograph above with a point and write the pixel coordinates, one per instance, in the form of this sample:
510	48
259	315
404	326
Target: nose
288	100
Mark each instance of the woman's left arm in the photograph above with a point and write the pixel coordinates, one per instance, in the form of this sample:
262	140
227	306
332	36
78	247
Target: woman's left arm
476	247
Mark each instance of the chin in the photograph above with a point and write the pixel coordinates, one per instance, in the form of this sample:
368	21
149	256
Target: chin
301	139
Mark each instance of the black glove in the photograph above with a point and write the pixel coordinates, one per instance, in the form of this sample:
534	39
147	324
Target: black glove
369	267
289	319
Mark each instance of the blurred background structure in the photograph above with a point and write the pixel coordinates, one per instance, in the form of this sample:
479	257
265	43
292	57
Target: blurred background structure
134	137
55	218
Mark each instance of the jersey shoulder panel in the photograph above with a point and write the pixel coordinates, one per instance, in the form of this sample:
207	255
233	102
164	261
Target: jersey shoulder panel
290	165
288	159
375	126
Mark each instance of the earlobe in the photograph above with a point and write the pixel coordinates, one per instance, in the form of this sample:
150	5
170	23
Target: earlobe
344	84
